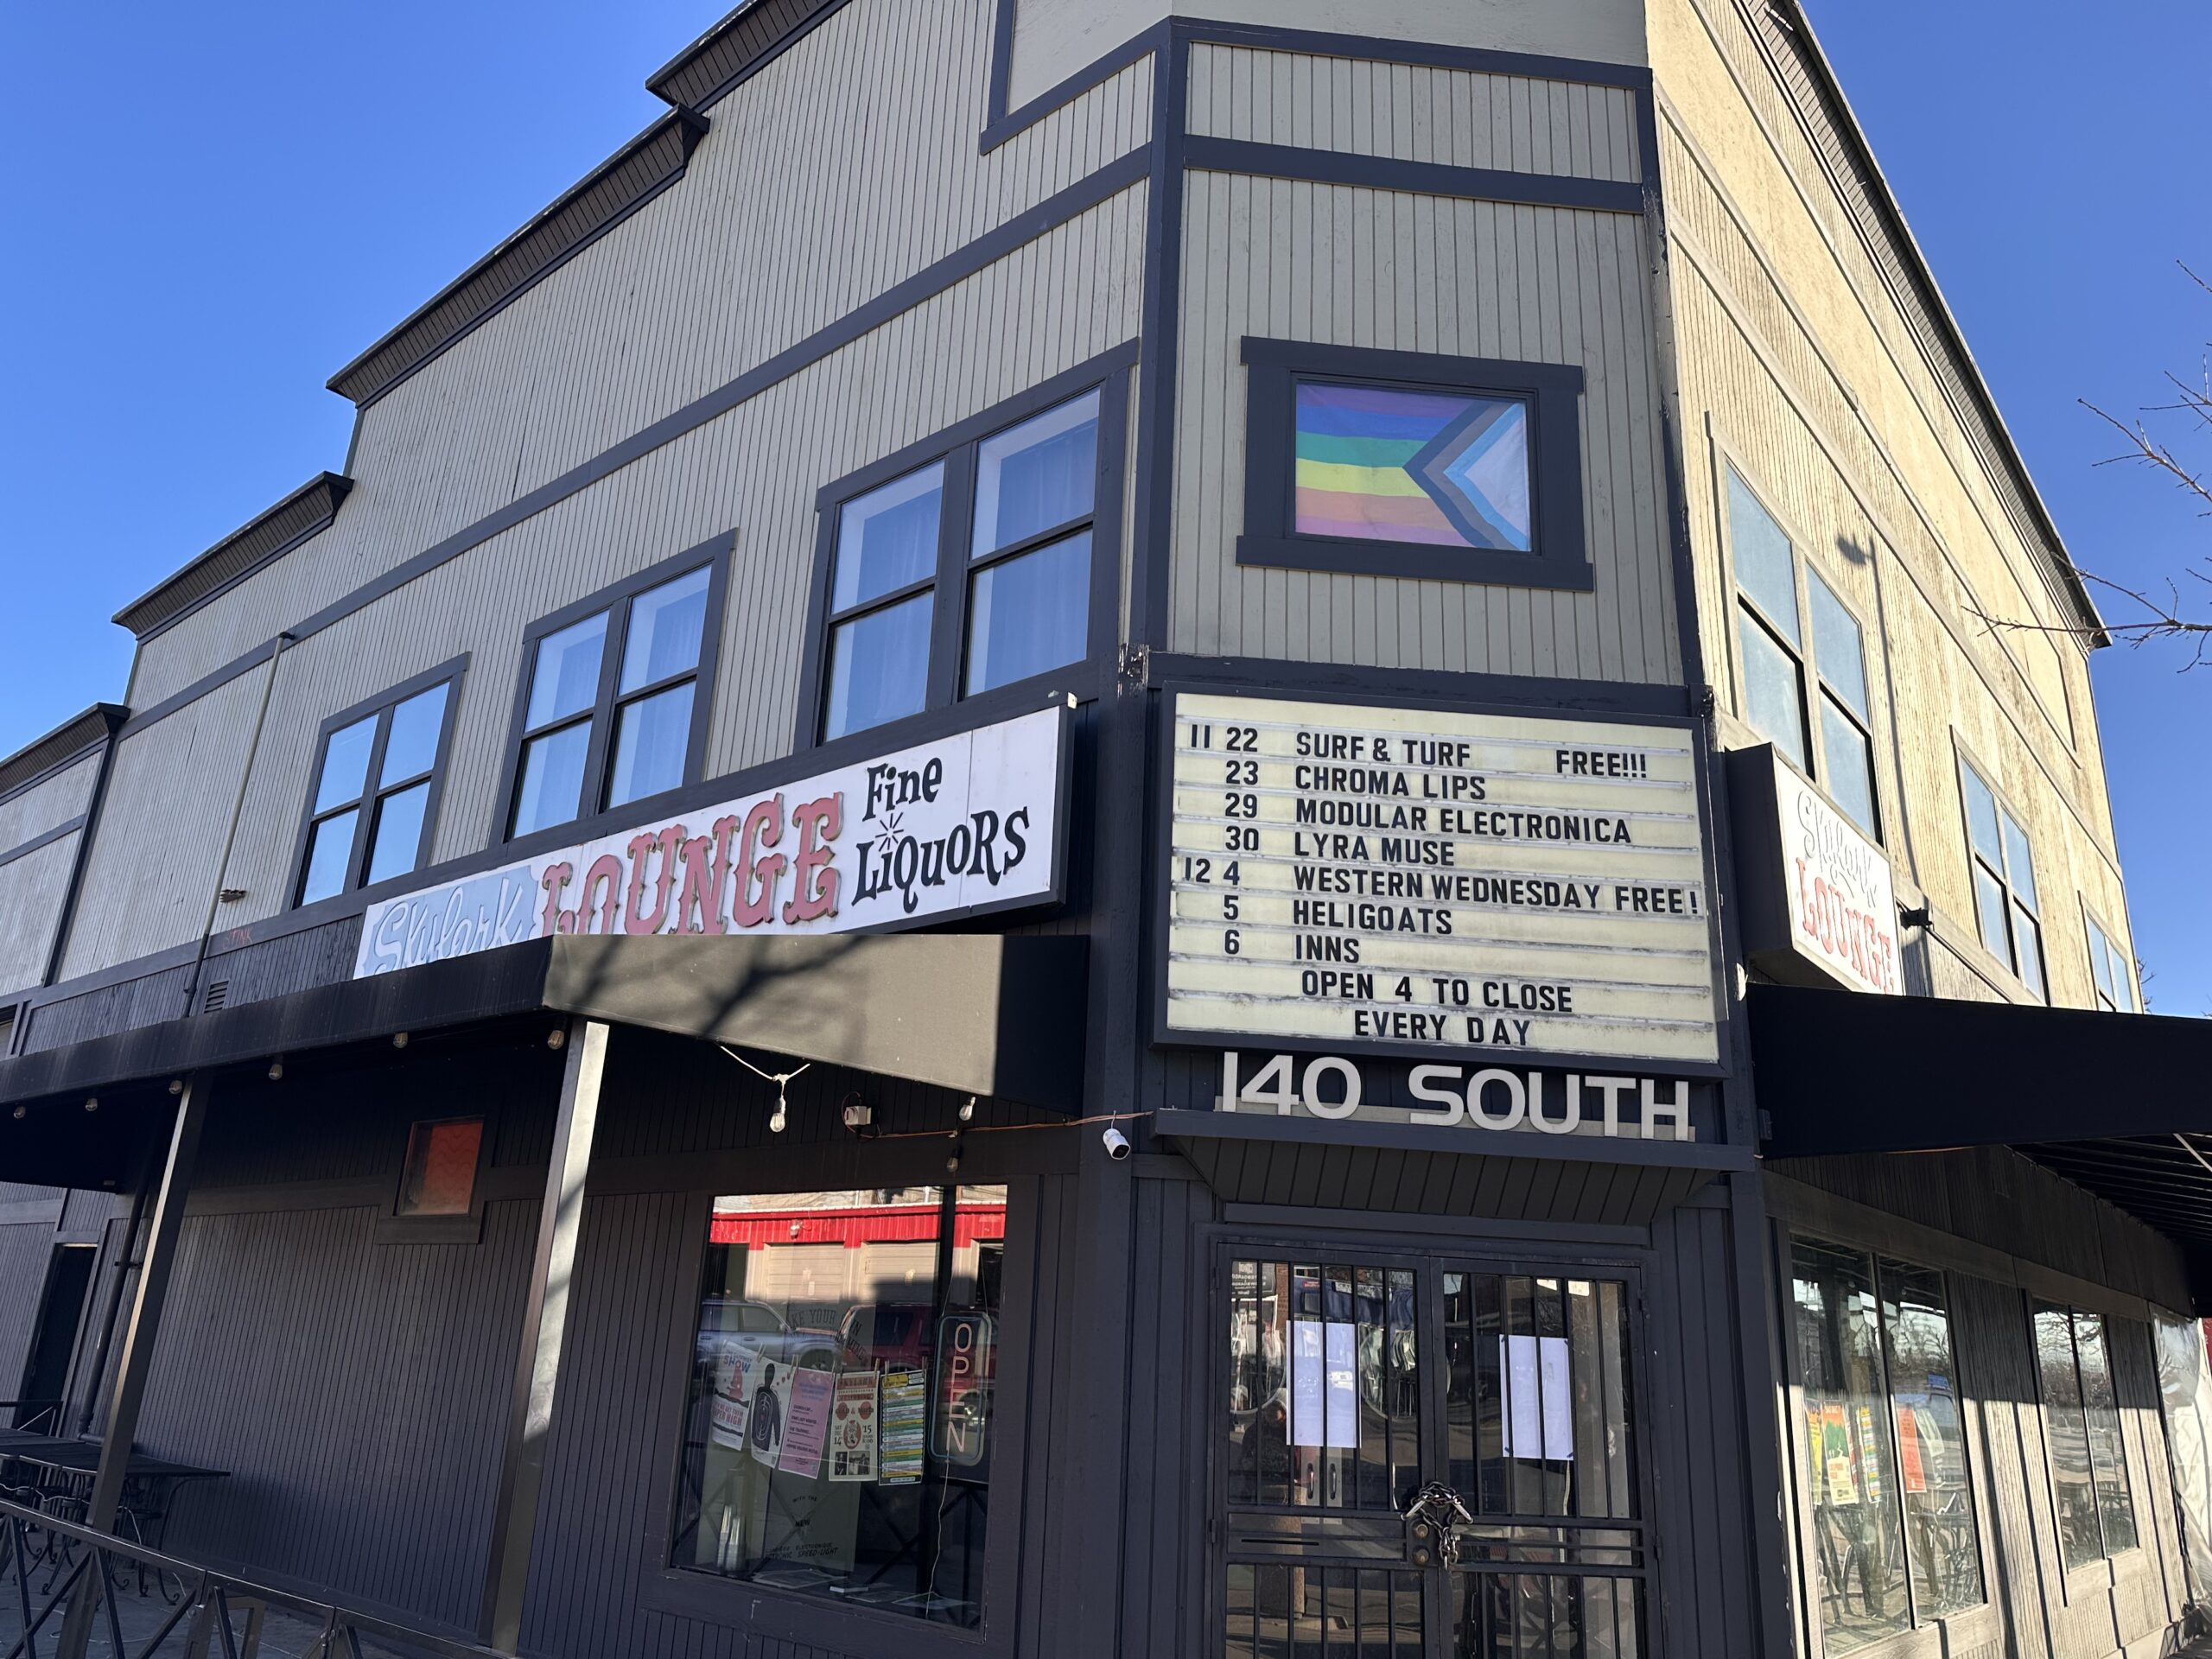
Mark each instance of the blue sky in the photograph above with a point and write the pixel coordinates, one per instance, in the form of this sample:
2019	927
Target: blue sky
212	208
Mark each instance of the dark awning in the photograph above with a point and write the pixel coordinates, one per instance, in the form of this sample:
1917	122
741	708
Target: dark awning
2119	1103
984	1013
1412	1169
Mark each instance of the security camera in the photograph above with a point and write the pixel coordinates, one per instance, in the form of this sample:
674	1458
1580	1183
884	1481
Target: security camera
1117	1144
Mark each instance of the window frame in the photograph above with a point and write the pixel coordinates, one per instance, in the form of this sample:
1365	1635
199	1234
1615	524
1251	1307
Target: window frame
1560	560
2106	1560
464	1228
2010	962
449	674
1793	1230
1812	682
770	1611
2118	963
957	448
616	598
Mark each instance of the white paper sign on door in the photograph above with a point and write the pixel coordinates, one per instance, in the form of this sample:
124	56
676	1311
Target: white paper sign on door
1308	1381
1343	1390
1538	1417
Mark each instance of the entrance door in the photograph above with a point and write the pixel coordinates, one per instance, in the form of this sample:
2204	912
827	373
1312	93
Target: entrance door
53	1341
1429	1457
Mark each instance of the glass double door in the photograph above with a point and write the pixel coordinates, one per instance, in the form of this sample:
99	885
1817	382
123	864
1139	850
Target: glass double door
1428	1457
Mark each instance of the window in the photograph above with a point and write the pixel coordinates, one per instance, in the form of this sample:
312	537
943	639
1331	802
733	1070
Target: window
1885	1468
2004	903
374	803
1403	464
842	1423
972	571
439	1178
2109	971
1785	647
613	703
2088	1460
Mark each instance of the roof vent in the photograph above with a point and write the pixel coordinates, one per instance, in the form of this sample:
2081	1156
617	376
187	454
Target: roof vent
219	995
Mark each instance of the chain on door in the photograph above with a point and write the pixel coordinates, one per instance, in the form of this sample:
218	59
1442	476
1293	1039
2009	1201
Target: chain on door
1427	1458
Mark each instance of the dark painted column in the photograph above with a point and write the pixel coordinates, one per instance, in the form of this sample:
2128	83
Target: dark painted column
135	1360
544	1323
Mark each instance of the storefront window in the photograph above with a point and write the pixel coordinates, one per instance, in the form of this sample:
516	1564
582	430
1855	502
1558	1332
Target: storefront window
840	1426
2089	1462
1940	1544
1885	1466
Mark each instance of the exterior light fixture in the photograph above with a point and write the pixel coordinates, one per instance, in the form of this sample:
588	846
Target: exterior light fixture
555	1038
276	1070
399	1040
92	1103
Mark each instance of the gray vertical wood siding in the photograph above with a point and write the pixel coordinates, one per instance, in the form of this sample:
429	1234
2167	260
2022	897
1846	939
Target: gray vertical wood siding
1415	112
1049	305
1403	272
842	167
31	892
51	801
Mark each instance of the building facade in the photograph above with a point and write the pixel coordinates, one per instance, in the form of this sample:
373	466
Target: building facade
1133	830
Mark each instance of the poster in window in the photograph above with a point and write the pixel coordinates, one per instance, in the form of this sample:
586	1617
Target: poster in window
734	1369
806	1423
1307	1381
1870	1454
1835	1449
905	1404
1340	1343
852	1427
1539	1418
1910	1470
771	1403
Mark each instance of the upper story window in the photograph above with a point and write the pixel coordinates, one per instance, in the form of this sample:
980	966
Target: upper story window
2109	971
374	805
1404	464
2088	1459
1804	661
613	704
974	570
1885	1445
2004	902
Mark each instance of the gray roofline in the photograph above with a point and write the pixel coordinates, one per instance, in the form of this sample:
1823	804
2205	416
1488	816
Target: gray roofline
1885	198
746	38
267	536
66	742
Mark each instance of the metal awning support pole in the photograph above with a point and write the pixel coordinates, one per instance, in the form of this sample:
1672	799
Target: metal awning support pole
136	1362
545	1318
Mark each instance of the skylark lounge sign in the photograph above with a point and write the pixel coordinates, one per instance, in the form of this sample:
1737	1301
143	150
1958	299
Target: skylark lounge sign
968	823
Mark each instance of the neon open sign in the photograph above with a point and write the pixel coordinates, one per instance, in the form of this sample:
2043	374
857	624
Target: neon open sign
961	1423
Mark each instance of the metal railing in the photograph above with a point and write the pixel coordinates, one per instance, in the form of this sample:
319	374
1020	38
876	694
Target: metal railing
202	1605
34	1416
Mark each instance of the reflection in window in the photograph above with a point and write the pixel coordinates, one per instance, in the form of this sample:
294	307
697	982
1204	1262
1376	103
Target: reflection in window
2004	901
439	1178
2109	972
367	821
2088	1462
1941	1541
841	1426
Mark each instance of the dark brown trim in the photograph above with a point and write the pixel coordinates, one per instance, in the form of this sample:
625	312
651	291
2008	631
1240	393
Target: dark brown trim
746	40
448	674
954	268
1560	558
303	514
605	196
47	757
1419	178
712	555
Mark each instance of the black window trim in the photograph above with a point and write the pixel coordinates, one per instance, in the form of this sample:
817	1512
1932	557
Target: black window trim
1554	394
449	674
1108	374
1812	681
714	555
1965	762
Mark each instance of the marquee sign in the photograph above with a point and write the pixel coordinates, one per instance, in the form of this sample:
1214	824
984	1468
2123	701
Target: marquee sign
1418	880
968	823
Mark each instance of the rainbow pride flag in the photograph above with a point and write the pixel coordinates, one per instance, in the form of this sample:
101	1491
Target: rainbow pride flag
1441	468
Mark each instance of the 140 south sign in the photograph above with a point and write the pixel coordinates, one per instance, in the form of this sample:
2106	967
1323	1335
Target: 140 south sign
967	824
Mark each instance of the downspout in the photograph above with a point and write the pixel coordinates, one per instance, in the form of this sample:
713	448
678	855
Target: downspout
78	864
237	808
